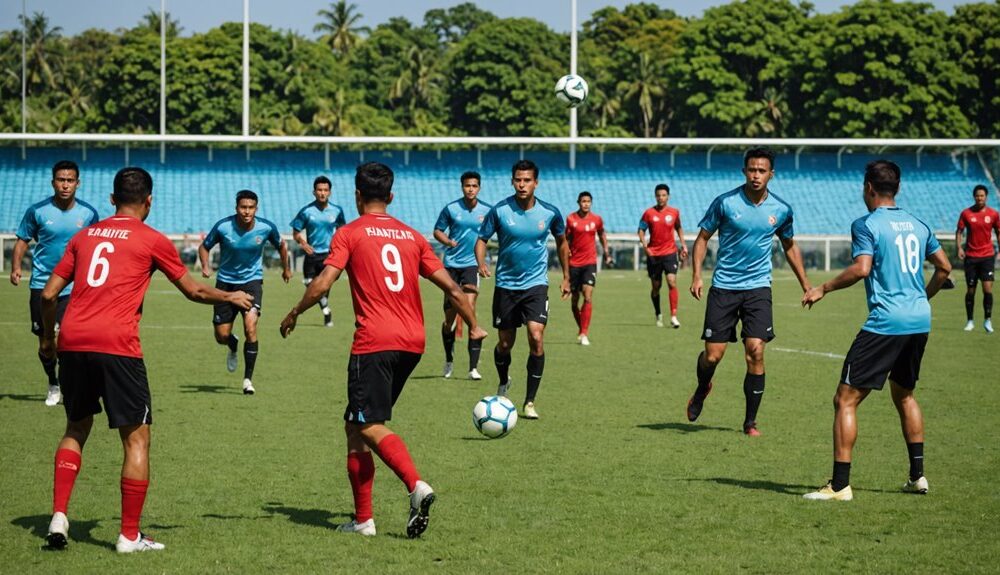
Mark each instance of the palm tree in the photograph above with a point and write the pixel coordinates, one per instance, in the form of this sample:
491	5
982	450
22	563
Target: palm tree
417	83
644	89
339	26
333	116
768	114
151	21
41	60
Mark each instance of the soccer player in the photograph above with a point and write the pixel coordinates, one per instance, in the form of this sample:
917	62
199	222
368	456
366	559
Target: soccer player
662	222
889	246
746	219
50	223
320	220
384	260
457	228
583	227
100	357
522	224
979	255
241	239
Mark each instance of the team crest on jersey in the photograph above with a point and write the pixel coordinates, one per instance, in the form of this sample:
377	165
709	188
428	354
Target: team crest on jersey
541	226
668	219
79	223
481	218
259	240
772	220
988	220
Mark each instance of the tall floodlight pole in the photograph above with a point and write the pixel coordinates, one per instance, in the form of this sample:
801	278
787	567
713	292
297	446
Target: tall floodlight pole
163	78
246	67
24	73
572	70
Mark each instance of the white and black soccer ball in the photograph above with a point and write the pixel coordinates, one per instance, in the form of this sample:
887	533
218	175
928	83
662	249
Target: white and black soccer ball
572	90
494	416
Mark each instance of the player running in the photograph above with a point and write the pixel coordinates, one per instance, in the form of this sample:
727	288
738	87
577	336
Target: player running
241	239
583	227
319	220
100	357
746	218
384	260
457	228
889	246
979	255
662	222
522	224
50	223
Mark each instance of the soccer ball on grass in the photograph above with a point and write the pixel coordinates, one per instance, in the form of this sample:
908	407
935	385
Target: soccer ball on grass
572	90
494	416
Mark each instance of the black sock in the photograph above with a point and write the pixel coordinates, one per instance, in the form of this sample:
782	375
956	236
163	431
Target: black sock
753	390
841	475
916	453
448	337
233	343
656	303
502	361
475	348
249	358
705	373
49	365
536	365
988	305
970	304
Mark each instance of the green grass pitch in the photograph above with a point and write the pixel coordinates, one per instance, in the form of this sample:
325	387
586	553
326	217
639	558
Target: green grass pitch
611	479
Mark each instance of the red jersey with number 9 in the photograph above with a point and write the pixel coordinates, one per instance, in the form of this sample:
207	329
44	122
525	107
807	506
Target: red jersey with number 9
384	259
110	264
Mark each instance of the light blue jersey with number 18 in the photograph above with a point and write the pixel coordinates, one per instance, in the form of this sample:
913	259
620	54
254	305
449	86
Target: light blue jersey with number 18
898	243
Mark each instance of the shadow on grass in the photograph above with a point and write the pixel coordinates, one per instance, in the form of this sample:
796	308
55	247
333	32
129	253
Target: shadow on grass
79	531
22	396
209	389
683	427
426	377
314	517
761	485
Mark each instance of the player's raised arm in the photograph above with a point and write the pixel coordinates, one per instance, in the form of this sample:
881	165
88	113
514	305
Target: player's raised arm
314	291
201	293
852	274
697	260
794	257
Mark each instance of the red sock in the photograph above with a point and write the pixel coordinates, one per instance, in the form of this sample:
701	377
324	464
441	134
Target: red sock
361	472
133	498
458	328
67	467
578	317
392	451
673	300
585	317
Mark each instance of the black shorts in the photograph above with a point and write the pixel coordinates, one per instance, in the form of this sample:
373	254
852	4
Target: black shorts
466	278
752	308
374	382
225	313
873	357
979	269
581	276
514	308
656	265
35	307
87	378
313	266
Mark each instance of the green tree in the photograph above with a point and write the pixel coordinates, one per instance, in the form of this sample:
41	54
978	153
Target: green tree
43	53
450	25
151	21
339	25
976	30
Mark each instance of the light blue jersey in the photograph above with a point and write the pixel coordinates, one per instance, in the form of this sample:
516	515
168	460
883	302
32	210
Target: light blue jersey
241	250
462	225
745	232
320	225
523	257
52	228
898	244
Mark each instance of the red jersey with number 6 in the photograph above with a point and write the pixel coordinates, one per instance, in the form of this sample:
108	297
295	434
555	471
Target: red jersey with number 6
110	264
660	225
982	225
582	234
384	259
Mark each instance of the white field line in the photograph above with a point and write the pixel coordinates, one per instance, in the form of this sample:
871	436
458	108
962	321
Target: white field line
807	352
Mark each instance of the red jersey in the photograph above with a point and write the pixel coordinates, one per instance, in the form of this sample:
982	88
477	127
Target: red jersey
110	264
982	225
384	259
660	226
582	235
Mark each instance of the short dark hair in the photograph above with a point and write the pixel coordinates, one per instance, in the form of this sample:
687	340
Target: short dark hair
374	181
883	176
131	186
246	195
661	187
980	187
65	165
470	175
524	165
322	180
759	152
584	194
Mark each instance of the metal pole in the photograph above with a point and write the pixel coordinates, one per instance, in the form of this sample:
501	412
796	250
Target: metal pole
163	78
572	70
24	74
246	68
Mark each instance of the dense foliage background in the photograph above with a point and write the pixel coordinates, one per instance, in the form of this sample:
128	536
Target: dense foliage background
758	68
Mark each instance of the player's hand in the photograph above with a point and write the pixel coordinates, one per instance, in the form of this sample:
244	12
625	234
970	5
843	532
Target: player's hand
646	249
478	334
608	261
812	296
564	288
684	254
286	274
961	256
288	324
241	299
308	249
206	272
47	347
484	271
15	276
696	287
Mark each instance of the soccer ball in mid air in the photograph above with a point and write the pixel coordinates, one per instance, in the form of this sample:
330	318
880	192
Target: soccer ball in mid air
494	416
572	90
